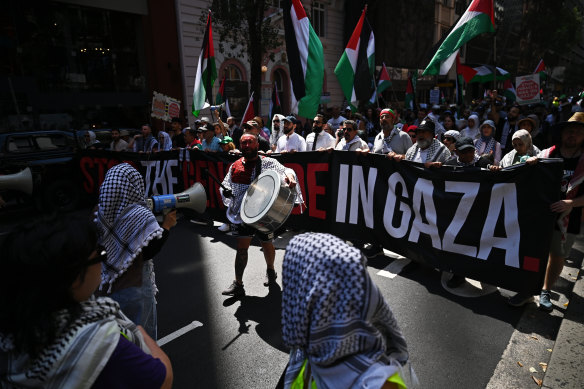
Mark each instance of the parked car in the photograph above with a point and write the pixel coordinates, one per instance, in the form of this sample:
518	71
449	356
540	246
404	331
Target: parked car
50	156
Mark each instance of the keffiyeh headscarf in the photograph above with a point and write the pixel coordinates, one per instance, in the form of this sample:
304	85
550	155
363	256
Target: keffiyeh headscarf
334	316
488	140
164	144
78	354
124	223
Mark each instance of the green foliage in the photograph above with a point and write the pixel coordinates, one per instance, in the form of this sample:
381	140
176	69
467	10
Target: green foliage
549	29
243	27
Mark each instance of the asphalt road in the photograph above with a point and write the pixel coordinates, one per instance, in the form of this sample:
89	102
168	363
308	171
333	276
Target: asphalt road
466	338
454	341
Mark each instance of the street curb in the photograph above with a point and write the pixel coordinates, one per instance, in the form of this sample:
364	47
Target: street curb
565	365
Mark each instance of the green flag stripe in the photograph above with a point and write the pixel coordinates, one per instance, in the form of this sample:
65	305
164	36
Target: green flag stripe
475	26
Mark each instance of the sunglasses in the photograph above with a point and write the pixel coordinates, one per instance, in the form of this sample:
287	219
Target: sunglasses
317	122
276	121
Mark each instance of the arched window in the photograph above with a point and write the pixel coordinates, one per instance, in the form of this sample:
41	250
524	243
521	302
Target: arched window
232	72
280	80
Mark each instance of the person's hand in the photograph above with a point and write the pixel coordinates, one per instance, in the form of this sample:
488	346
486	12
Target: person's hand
531	160
433	164
169	220
290	181
494	168
137	136
562	206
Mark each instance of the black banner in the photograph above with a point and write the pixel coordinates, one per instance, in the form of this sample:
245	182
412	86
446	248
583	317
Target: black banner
490	226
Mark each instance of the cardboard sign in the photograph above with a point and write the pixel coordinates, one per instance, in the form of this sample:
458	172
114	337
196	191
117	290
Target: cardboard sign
527	88
164	107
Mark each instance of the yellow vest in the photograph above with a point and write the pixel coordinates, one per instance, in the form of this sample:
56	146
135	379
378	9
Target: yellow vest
298	383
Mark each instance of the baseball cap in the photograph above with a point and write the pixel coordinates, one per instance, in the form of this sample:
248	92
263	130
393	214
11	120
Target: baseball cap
489	123
290	119
426	125
226	140
464	143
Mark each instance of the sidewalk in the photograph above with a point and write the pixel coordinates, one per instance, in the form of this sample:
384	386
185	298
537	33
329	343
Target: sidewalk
565	366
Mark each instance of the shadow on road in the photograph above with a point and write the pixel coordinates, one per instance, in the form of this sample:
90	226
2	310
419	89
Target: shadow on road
267	312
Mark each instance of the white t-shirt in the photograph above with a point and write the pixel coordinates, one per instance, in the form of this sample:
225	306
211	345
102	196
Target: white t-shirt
421	156
294	142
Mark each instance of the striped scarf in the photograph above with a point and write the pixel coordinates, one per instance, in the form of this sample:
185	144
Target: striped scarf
490	144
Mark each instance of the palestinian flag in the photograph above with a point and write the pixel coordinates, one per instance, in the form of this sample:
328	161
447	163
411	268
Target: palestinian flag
206	72
383	83
541	70
509	91
305	59
221	95
459	81
484	74
249	113
478	18
275	106
410	94
356	68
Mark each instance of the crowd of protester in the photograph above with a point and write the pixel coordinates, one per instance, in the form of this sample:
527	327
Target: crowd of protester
78	305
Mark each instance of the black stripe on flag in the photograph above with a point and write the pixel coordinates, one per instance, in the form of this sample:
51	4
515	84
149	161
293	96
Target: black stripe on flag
363	82
294	63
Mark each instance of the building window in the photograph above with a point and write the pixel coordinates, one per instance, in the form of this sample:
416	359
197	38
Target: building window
233	73
443	32
318	18
446	3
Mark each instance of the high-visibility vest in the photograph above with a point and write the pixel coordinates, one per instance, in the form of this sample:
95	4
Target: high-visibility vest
298	382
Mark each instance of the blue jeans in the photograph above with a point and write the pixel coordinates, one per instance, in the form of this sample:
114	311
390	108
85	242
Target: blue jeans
139	303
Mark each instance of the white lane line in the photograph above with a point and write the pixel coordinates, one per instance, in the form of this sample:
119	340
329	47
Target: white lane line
394	268
180	332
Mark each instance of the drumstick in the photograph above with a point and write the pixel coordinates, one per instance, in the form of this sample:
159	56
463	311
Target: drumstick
216	179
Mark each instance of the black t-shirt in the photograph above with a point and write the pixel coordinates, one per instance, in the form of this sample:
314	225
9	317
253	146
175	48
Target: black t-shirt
570	165
178	141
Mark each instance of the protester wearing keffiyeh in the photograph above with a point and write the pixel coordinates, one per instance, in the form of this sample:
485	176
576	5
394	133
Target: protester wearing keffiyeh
80	351
164	141
487	144
334	318
124	222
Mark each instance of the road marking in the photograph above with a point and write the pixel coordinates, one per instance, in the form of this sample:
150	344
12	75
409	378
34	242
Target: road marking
394	268
170	337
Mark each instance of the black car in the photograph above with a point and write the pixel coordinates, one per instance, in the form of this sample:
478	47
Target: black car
50	155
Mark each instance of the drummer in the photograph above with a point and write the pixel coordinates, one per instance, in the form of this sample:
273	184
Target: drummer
241	174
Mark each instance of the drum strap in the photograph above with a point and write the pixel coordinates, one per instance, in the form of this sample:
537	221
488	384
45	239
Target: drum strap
258	167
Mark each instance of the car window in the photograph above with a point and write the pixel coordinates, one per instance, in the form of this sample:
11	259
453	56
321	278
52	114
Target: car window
20	144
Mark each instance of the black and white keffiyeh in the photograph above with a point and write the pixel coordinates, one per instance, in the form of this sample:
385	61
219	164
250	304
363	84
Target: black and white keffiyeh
334	316
386	141
79	353
233	203
436	152
125	224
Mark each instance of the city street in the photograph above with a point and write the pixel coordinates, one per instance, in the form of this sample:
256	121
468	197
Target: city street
469	340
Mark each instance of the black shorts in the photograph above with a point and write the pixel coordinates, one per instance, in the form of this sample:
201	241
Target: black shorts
243	230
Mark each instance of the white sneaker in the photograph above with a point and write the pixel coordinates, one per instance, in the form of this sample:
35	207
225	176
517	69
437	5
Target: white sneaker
224	227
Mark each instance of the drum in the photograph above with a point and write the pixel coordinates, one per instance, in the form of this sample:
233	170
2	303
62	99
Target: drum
267	203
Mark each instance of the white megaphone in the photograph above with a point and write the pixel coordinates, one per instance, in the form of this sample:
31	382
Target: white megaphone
217	107
21	181
194	198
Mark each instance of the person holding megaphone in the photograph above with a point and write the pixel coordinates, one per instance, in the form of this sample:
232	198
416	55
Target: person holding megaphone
131	236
